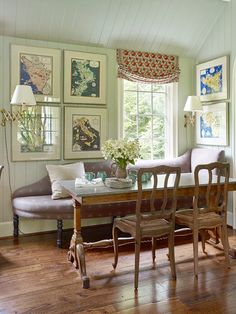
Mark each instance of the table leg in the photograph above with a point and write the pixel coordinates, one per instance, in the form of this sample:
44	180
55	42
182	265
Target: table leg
76	253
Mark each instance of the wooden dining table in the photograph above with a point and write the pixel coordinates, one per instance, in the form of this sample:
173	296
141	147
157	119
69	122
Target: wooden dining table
92	194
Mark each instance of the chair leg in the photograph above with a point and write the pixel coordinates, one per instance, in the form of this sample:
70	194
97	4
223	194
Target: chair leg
171	247
59	232
195	251
153	249
136	267
15	226
225	243
115	245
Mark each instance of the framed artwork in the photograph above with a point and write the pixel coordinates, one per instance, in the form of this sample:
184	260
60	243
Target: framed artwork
212	79
85	132
37	135
212	125
84	78
38	67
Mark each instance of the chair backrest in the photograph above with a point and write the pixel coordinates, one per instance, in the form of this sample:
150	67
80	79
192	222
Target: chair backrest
161	202
216	197
1	168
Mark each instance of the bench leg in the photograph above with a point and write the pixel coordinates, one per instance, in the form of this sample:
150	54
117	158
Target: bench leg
15	226
59	232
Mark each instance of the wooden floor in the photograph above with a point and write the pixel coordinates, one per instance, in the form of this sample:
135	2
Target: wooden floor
35	277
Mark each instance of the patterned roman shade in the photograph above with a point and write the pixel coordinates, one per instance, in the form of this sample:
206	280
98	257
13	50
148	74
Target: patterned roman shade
147	67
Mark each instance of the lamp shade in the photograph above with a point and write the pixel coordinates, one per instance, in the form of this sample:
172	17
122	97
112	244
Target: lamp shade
23	95
193	103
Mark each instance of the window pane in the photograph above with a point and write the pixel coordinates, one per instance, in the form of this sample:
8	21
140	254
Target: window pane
144	87
130	100
130	85
145	126
130	127
159	88
145	149
159	103
145	104
159	148
158	126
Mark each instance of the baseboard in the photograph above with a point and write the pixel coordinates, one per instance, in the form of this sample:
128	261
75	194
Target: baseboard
6	229
30	226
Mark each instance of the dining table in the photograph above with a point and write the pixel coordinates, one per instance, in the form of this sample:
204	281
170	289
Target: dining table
90	194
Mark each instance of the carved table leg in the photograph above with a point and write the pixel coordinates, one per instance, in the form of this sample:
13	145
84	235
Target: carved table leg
76	253
82	266
72	249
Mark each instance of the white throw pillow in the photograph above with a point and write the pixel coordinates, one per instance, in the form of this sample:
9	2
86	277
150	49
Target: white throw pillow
63	172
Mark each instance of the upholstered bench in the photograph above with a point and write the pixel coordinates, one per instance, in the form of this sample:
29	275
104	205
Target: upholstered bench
35	200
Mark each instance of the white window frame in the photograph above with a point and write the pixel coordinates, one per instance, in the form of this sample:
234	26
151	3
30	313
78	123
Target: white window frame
172	113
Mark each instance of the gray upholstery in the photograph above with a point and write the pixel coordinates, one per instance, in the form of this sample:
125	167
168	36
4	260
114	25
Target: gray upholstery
183	161
43	206
205	155
34	200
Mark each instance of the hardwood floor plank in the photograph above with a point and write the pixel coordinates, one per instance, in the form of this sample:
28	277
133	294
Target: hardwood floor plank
35	277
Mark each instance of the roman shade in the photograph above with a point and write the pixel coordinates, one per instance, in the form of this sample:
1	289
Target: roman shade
147	67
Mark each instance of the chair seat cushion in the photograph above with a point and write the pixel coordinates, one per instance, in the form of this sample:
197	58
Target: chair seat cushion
205	219
148	227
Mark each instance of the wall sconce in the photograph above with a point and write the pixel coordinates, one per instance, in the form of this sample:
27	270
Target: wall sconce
23	96
193	104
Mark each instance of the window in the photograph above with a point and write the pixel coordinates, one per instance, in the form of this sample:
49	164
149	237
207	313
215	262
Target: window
149	116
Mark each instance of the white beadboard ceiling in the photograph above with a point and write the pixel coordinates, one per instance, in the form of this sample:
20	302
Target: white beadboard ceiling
167	26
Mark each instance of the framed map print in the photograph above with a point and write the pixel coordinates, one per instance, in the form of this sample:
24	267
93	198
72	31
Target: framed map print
212	79
84	78
37	135
212	125
38	67
85	132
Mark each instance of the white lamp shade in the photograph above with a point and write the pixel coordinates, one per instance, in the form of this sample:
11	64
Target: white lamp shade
193	103
23	95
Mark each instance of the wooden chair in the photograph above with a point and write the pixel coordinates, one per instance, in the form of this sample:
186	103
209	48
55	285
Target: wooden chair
209	209
155	214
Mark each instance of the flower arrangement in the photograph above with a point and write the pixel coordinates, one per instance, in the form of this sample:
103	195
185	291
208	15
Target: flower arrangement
122	151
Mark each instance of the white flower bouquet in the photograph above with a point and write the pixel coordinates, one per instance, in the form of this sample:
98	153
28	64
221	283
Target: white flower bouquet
122	151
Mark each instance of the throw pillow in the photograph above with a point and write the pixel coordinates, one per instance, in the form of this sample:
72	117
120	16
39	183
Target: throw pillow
63	172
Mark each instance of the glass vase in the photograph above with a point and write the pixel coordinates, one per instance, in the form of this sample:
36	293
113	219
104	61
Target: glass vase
121	173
